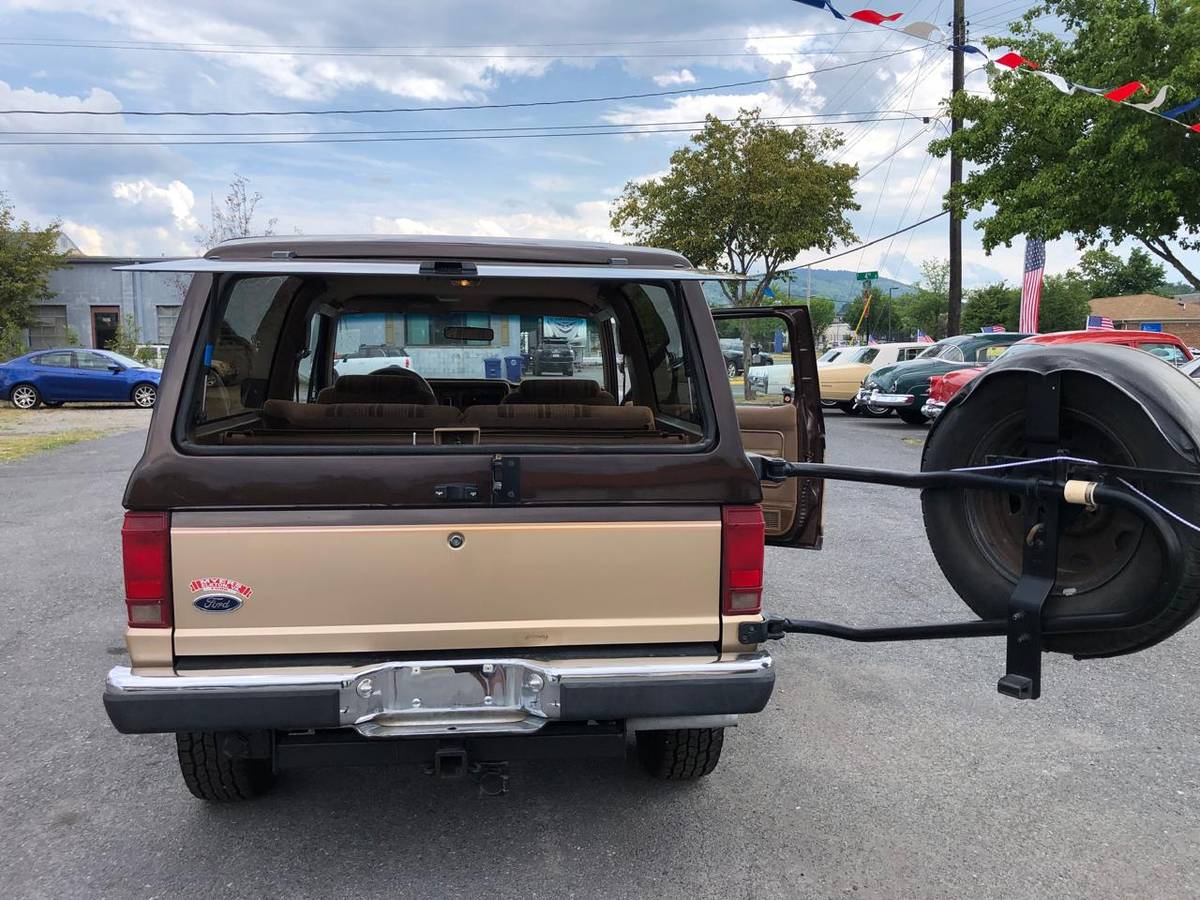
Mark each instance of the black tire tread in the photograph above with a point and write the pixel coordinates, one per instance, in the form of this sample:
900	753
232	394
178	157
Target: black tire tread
1182	607
211	775
683	754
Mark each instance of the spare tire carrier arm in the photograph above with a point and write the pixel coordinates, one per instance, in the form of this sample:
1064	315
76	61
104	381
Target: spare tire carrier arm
1024	625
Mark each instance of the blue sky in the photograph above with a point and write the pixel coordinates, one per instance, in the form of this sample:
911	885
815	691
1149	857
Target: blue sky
153	200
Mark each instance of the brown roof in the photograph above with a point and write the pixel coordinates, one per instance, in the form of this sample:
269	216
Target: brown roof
1145	308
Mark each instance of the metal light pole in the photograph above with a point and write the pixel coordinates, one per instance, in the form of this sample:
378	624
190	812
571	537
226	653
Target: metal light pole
891	299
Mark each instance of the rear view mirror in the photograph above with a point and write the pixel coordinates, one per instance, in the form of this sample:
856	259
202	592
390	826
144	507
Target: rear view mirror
468	333
116	369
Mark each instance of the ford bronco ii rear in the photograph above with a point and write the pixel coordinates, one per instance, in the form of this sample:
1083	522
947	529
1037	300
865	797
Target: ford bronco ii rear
451	559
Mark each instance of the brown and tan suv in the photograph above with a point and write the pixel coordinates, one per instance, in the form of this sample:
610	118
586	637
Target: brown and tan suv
452	563
445	561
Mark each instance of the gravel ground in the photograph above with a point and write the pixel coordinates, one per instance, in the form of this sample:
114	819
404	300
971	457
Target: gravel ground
111	417
877	771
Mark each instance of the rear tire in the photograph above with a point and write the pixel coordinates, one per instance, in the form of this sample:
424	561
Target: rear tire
912	416
684	754
212	775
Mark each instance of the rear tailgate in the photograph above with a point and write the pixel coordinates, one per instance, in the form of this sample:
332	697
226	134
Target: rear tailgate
353	581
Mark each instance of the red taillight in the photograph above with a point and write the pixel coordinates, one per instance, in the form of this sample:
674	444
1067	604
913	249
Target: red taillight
146	553
742	537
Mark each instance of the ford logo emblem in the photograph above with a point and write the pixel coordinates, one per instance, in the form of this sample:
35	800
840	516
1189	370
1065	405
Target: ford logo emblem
218	603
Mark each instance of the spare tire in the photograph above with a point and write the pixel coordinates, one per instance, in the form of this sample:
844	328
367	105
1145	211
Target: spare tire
1109	560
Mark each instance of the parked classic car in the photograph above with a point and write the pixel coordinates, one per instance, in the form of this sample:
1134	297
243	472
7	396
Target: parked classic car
905	386
841	377
54	377
1166	347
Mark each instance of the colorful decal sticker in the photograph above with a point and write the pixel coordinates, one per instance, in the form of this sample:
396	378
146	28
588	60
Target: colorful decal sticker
224	585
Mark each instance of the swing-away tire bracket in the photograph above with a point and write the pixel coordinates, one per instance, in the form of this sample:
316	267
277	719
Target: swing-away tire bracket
1024	626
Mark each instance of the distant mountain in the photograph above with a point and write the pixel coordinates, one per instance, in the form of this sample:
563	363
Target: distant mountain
839	285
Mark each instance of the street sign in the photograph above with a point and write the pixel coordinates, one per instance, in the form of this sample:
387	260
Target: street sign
1152	326
867	276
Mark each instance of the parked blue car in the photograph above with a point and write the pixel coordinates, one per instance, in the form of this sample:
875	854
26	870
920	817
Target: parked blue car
55	377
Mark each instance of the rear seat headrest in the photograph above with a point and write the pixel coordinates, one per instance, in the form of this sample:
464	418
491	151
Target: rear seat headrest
394	386
561	390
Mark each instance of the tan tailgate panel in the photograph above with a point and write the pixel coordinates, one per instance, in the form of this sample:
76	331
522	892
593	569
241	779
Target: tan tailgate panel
355	588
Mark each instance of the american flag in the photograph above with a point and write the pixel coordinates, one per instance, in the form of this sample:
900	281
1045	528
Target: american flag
871	342
1031	287
1100	323
992	329
923	338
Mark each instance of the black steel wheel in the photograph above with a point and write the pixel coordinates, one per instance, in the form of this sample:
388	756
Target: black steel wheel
1108	560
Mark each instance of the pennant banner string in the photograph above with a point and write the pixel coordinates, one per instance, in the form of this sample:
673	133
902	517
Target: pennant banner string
926	31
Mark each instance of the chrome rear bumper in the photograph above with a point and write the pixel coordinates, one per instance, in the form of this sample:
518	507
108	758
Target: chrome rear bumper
933	408
441	696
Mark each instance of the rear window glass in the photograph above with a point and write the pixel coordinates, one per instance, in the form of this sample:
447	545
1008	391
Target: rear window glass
413	363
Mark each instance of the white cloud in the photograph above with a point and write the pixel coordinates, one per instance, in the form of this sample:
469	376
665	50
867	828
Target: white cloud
673	79
176	197
582	221
89	240
551	183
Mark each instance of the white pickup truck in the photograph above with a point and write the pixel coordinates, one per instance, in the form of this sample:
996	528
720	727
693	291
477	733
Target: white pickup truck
370	358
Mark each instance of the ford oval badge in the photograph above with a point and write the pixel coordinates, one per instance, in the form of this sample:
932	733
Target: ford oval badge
218	603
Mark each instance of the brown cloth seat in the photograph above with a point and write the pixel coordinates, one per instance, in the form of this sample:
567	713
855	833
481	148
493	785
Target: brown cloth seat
578	391
560	417
394	386
404	416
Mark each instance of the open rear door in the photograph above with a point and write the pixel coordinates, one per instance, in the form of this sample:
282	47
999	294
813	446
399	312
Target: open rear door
772	369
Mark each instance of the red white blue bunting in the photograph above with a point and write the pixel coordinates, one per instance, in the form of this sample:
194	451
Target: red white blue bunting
926	31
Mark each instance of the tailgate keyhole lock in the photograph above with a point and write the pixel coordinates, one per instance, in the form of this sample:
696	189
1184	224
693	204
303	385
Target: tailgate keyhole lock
455	540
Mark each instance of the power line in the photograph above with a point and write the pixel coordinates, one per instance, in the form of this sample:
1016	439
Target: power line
390	140
908	114
432	53
868	244
407	109
204	47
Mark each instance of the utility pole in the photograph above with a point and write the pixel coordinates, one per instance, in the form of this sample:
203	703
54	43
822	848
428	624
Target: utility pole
954	313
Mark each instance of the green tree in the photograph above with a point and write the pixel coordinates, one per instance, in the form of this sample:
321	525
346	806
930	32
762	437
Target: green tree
1064	303
884	316
27	257
822	311
995	304
744	196
1108	275
926	307
1053	164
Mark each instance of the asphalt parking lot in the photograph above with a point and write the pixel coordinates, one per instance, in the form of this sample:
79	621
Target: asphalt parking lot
877	771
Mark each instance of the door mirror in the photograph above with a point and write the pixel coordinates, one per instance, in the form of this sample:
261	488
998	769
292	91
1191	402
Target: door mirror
116	368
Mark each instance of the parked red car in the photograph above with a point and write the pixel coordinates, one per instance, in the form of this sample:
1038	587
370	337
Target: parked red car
1165	346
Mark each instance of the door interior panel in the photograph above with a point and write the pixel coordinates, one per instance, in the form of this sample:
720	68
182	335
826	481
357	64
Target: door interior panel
772	431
